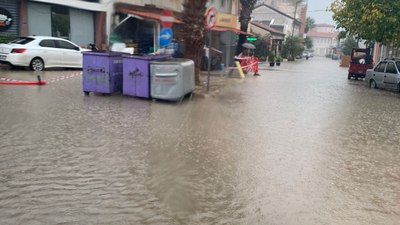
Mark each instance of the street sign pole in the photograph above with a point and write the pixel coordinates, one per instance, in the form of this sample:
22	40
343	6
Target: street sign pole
209	59
211	18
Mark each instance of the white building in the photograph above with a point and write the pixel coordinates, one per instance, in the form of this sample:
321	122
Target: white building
324	38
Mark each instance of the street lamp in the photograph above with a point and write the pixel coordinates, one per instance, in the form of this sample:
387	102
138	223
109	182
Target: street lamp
295	11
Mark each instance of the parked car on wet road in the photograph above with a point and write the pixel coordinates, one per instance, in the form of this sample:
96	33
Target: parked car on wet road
41	52
386	74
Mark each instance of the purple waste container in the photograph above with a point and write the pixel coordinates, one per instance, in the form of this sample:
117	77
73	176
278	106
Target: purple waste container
102	72
136	74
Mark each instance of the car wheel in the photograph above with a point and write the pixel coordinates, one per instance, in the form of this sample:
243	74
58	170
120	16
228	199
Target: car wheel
349	76
372	84
398	88
37	64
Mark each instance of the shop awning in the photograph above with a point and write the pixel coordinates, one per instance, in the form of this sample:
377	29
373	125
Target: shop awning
231	29
147	15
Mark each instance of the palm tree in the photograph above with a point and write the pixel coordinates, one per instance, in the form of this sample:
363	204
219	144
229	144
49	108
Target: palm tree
194	31
244	19
310	24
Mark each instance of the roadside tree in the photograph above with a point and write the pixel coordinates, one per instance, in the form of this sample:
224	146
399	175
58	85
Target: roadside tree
308	42
194	28
292	47
262	46
244	19
372	20
348	45
310	24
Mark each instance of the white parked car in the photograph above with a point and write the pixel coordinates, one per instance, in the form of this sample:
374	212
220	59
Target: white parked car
40	52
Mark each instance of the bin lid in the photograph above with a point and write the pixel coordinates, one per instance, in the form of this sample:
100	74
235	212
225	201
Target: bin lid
173	61
146	56
102	53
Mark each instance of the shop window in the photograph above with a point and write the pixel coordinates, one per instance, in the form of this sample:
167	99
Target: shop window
135	33
60	22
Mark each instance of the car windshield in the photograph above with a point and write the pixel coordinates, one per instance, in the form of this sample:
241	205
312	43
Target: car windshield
22	40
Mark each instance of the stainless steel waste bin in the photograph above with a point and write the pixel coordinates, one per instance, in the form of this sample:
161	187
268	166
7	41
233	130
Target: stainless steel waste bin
171	79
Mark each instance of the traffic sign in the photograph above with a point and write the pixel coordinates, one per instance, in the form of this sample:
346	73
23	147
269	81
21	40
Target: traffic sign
211	17
165	36
167	18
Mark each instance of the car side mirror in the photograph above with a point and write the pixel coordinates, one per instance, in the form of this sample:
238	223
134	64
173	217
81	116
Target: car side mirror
77	48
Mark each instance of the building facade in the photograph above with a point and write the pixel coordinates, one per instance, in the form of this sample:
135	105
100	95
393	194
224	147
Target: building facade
288	16
103	22
324	39
58	18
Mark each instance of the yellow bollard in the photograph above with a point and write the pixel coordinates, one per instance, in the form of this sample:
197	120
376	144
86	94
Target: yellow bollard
240	69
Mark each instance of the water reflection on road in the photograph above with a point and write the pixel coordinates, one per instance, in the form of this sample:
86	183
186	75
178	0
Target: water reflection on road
299	145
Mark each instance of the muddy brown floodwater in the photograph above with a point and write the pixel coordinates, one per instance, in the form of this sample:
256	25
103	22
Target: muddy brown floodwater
300	144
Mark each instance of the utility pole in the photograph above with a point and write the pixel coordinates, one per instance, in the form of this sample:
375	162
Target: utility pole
295	12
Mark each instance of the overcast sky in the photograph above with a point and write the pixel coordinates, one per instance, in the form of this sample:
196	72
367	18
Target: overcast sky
317	11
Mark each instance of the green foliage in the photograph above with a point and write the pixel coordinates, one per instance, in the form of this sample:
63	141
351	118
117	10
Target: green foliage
372	20
342	35
348	45
7	38
292	47
308	42
262	46
310	24
271	58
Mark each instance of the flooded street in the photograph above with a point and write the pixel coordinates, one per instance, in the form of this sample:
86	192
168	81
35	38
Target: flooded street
300	144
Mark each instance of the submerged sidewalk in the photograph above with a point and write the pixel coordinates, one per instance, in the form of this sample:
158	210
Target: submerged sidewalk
218	80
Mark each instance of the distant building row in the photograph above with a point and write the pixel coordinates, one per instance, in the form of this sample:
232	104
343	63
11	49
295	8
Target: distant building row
137	23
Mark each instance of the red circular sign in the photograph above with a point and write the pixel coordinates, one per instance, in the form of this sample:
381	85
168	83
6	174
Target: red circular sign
167	18
211	17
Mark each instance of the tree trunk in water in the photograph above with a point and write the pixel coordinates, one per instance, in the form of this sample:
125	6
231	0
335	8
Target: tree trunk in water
242	40
194	28
247	7
194	53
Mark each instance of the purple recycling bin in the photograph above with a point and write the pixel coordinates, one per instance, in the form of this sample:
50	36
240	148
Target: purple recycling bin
102	72
136	74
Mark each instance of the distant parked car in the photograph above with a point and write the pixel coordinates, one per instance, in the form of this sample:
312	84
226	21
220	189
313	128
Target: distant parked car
386	74
40	52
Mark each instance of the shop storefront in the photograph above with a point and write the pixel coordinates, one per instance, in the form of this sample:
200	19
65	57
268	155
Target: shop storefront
138	28
57	18
224	36
61	21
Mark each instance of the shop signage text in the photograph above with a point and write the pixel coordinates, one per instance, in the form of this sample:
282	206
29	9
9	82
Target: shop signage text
227	20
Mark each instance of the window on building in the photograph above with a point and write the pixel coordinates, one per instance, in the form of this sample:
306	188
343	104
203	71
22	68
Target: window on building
60	22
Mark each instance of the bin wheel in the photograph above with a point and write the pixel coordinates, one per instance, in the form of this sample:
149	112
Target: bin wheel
86	93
